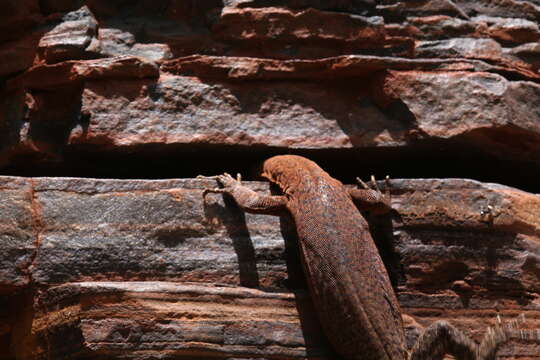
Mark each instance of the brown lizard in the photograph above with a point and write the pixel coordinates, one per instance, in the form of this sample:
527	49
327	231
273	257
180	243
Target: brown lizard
347	280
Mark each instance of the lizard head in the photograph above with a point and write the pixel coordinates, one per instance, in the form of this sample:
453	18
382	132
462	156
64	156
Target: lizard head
290	172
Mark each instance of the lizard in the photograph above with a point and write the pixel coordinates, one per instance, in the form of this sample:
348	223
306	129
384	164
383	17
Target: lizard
351	290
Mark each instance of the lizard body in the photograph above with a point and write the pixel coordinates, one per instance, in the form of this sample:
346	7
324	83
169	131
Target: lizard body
348	282
343	268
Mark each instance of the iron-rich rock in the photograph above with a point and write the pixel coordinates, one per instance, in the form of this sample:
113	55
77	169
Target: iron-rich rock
75	37
141	88
144	234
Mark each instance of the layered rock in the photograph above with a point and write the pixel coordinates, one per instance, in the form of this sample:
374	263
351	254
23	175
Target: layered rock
456	249
221	47
137	89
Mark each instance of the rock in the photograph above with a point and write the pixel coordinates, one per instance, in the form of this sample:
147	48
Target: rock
468	48
421	8
18	233
183	110
529	10
496	104
173	318
139	223
529	53
351	66
71	72
145	89
115	42
176	110
361	7
73	38
300	33
144	234
510	30
442	27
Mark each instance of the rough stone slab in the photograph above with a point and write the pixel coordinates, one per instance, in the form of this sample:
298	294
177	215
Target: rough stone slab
18	214
70	73
299	32
469	48
510	30
486	225
145	319
247	68
421	8
436	103
184	110
529	53
457	249
71	39
117	42
141	320
529	10
163	230
350	6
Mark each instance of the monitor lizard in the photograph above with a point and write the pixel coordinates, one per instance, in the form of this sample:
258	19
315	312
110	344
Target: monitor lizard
347	279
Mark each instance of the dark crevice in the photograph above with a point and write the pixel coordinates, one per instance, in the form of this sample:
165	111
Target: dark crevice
428	159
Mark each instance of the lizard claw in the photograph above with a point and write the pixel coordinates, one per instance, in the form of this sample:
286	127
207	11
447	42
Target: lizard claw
206	177
374	186
363	184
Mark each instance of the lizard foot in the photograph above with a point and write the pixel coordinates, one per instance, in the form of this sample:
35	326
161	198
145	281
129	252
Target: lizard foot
374	185
225	180
378	201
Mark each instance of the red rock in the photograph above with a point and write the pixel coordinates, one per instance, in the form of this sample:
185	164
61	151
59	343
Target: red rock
502	8
131	230
297	30
448	114
468	48
73	38
126	318
69	72
510	30
361	7
178	79
327	68
528	53
115	42
422	8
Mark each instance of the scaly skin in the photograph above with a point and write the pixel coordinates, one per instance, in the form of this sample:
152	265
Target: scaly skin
347	279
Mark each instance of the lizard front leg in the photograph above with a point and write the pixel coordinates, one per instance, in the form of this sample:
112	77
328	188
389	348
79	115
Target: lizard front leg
247	199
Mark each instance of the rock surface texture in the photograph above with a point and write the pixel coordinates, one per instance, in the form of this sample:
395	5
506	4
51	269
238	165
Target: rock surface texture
142	269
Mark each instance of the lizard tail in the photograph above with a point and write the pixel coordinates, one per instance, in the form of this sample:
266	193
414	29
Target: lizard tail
501	333
441	338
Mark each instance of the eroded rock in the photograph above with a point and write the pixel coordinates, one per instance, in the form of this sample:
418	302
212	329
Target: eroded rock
494	103
75	37
458	249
